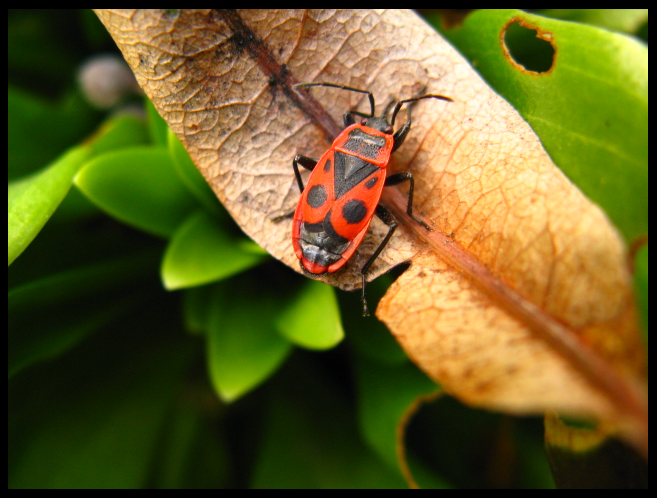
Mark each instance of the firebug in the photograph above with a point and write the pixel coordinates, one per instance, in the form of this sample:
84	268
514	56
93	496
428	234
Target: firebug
343	191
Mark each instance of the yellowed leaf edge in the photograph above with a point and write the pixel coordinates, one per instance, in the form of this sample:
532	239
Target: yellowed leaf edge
626	394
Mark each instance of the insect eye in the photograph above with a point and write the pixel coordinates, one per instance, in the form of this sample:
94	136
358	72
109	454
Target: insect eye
388	130
363	121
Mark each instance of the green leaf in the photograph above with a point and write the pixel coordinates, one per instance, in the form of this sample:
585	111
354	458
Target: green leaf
201	251
40	50
94	418
192	178
244	348
50	315
39	130
117	133
386	393
196	309
138	186
195	453
157	127
310	440
621	20
590	109
370	338
312	319
33	200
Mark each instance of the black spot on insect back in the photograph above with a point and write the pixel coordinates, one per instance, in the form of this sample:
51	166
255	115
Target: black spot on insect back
354	211
317	196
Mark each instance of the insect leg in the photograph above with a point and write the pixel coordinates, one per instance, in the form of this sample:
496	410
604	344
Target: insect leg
307	162
387	218
396	179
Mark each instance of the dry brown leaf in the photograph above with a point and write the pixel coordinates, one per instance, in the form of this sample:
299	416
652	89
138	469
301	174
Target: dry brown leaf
520	300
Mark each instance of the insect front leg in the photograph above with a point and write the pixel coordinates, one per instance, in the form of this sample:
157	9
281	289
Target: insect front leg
307	162
400	136
386	217
396	179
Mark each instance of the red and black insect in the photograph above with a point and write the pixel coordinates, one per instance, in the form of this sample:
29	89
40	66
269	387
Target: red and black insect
344	188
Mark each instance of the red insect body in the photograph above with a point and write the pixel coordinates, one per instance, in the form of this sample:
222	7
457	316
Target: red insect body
350	199
343	191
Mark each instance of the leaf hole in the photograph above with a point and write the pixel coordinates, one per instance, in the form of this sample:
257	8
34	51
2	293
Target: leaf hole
528	47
